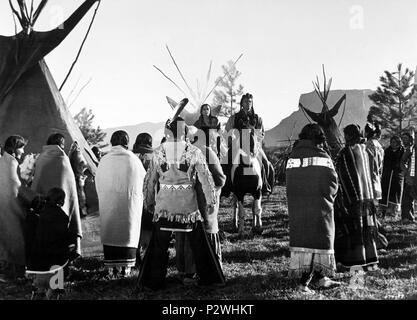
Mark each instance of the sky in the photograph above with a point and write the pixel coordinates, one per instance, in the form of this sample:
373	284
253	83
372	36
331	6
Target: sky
284	44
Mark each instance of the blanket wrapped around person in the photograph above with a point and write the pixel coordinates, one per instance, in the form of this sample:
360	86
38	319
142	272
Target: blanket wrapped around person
53	170
119	182
311	190
12	215
355	212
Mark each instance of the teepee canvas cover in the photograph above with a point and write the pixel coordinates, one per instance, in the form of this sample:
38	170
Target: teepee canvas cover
30	102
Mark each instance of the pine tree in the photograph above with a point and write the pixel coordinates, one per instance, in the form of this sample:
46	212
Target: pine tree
84	120
228	89
394	108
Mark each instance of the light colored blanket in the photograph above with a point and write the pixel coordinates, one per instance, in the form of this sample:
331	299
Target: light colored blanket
119	183
12	214
53	170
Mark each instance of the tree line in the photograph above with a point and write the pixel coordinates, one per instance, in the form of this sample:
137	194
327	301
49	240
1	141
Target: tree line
394	102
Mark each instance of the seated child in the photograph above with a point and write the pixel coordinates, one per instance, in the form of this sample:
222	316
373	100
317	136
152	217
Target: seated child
50	245
31	222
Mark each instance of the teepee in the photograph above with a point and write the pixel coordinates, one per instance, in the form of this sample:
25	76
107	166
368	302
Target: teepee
197	96
325	118
30	102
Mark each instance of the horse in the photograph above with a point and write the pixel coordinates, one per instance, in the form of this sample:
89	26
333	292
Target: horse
244	176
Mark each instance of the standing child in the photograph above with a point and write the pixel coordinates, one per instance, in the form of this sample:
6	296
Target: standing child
51	246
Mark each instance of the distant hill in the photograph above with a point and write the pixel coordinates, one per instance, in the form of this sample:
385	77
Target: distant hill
357	106
156	130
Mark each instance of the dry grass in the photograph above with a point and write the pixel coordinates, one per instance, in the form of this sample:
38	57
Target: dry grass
255	268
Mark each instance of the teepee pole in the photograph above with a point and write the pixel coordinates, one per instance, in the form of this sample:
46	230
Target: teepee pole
172	81
324	83
81	47
23	10
225	74
207	79
31	12
79	92
38	11
182	76
72	90
16	13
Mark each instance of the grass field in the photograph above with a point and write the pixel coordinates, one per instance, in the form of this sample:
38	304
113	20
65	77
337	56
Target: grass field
255	267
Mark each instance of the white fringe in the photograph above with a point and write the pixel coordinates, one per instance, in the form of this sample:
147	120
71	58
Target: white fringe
307	262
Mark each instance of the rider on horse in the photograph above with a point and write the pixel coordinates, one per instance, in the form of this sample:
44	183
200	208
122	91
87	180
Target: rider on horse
246	118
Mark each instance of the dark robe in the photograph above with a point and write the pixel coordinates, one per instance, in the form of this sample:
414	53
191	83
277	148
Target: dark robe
213	123
52	239
392	177
311	191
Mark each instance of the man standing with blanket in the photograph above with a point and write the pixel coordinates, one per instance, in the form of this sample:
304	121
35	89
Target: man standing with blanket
119	182
53	170
311	191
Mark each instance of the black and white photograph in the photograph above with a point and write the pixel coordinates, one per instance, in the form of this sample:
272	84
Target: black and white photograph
208	156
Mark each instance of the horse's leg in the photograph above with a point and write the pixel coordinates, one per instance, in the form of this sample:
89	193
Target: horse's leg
257	216
241	213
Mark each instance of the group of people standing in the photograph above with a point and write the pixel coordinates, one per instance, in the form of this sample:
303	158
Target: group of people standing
147	197
334	203
40	225
179	185
398	177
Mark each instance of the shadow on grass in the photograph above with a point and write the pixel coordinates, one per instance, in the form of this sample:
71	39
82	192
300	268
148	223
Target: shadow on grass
397	260
245	256
245	287
401	240
407	274
276	221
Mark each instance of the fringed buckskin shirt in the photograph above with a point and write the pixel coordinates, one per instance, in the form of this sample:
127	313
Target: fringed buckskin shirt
175	177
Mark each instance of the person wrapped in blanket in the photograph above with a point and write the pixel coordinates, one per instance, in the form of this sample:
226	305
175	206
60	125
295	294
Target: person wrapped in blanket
174	169
12	213
376	156
142	148
53	169
408	161
392	179
355	213
119	184
312	186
